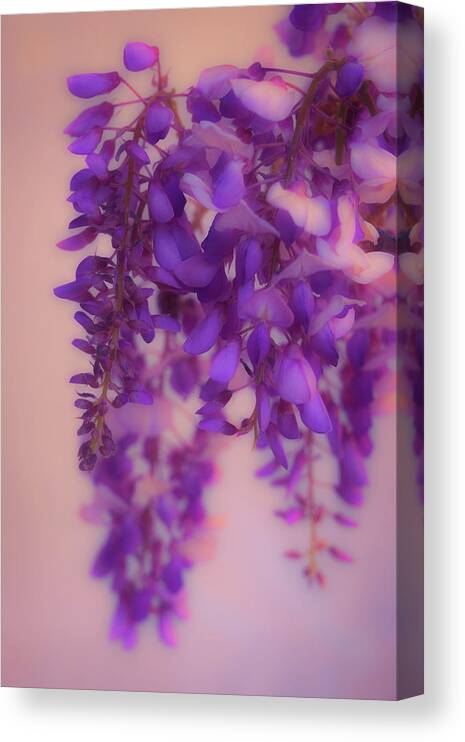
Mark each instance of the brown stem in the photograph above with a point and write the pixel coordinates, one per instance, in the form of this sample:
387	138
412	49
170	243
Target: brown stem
304	110
119	289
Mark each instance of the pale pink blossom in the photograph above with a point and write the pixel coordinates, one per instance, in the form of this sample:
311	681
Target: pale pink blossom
221	137
375	170
271	99
313	214
215	82
341	251
385	48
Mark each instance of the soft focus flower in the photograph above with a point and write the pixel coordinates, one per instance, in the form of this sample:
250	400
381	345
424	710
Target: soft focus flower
204	335
272	99
269	305
349	79
295	379
303	31
313	214
376	172
384	47
158	119
223	138
220	191
315	415
248	238
341	251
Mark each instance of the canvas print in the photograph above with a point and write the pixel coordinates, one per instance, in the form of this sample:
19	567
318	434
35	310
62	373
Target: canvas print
213	350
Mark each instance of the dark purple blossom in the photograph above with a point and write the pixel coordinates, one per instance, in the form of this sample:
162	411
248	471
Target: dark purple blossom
349	78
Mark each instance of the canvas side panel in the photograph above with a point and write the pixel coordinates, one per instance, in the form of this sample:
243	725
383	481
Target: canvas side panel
410	589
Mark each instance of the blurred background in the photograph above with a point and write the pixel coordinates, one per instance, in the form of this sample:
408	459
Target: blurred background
255	627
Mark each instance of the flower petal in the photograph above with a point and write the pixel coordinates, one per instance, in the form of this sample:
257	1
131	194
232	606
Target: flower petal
270	99
204	335
375	264
312	214
94	83
269	305
295	379
225	362
139	56
315	415
160	206
349	79
78	241
228	187
215	82
196	271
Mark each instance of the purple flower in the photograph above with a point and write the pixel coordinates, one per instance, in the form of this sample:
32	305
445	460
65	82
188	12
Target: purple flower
276	445
215	82
393	11
158	120
349	78
139	56
286	421
357	347
269	305
204	335
307	17
197	271
78	241
259	344
172	575
302	304
250	234
224	363
142	531
161	209
172	243
87	143
95	116
94	83
184	376
338	554
315	415
263	407
294	377
200	108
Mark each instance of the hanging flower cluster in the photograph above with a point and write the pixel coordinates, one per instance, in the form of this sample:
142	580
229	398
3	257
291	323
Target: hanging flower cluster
149	496
245	238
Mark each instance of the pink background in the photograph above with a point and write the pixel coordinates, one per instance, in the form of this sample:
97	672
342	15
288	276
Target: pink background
255	627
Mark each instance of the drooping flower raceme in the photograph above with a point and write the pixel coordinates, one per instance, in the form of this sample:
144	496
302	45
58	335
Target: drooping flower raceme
241	246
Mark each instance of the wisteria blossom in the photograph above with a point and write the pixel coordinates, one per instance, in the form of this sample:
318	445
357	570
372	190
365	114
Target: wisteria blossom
246	243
